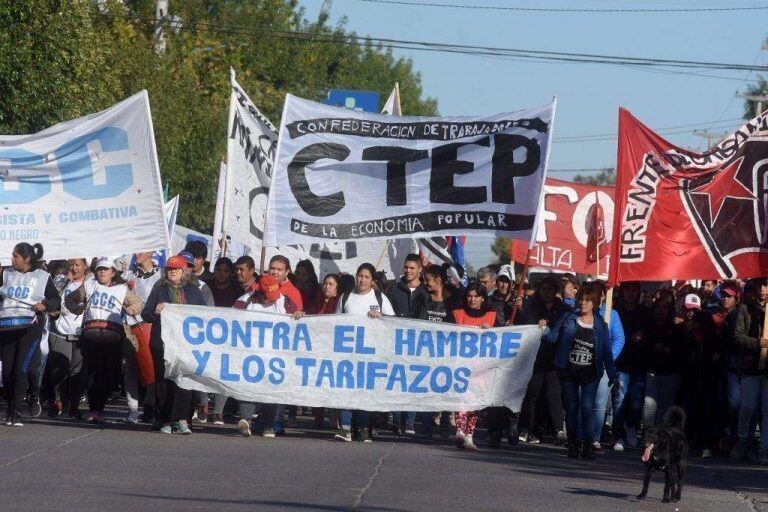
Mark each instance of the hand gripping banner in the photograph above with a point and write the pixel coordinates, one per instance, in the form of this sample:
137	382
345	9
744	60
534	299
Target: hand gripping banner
341	174
686	215
347	361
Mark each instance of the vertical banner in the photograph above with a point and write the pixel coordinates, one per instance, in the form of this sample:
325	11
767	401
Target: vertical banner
573	219
84	187
349	175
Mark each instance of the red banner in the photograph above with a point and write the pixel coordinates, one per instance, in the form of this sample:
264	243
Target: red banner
686	215
574	229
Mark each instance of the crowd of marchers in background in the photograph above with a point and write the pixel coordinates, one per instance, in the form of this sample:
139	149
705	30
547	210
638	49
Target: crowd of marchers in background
76	334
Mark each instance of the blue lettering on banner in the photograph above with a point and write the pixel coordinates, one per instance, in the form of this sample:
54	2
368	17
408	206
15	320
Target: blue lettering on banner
202	360
276	371
226	375
340	339
249	374
186	329
509	346
73	160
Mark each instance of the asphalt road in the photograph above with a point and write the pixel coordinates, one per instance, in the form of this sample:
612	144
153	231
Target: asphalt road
61	465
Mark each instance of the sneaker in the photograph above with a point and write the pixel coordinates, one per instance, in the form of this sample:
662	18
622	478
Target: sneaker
218	419
409	430
343	434
180	427
133	417
9	418
201	415
244	427
597	447
459	438
469	444
56	409
561	438
762	457
619	446
632	440
706	453
93	417
17	421
366	436
531	439
166	429
739	451
268	432
194	416
35	408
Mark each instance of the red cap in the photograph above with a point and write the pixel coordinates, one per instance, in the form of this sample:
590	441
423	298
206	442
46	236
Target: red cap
730	289
176	262
269	287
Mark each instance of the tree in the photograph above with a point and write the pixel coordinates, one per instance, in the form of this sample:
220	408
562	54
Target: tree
500	248
606	177
61	60
758	89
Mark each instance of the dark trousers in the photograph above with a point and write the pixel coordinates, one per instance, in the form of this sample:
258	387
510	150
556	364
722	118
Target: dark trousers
171	403
65	368
103	366
18	349
571	391
550	384
499	420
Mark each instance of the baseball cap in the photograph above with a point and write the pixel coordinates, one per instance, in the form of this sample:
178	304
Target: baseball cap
692	301
730	289
269	287
105	263
507	272
176	262
188	257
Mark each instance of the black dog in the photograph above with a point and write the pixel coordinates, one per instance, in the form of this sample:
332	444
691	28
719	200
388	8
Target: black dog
667	449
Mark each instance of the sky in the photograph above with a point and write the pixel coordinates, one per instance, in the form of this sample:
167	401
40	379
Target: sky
589	95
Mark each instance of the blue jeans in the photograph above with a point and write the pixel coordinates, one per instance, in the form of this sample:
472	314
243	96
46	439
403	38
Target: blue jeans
734	403
754	395
574	405
601	401
404	419
628	402
361	419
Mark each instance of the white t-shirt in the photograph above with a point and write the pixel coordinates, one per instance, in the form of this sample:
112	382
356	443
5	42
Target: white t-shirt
68	323
358	304
276	307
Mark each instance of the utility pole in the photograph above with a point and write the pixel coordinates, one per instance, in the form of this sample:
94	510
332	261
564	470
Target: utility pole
710	136
161	14
759	101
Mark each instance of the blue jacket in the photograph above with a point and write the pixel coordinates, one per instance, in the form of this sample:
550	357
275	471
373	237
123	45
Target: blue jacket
563	334
617	331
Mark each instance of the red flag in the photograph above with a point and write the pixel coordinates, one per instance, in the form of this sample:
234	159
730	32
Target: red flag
570	224
686	215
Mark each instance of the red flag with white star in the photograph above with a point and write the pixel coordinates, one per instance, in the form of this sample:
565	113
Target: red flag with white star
686	215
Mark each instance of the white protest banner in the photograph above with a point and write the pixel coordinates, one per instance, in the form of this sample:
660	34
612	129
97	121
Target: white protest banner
347	175
251	144
84	187
183	235
347	361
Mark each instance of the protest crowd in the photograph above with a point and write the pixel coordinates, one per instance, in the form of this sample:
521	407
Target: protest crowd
595	385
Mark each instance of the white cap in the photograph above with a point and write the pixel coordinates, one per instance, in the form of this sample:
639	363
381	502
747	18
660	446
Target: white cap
508	272
105	263
692	301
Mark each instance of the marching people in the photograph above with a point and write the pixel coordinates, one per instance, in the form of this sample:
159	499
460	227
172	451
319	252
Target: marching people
279	268
138	362
751	341
199	251
544	308
476	313
407	297
65	360
103	301
629	397
173	404
305	280
28	293
583	354
364	300
264	296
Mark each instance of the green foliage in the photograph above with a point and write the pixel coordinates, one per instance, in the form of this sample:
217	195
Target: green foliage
604	178
61	60
500	248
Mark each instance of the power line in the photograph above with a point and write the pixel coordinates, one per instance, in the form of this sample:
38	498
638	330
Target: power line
269	32
568	9
669	130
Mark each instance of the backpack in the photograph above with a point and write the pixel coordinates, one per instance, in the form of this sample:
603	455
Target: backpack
379	299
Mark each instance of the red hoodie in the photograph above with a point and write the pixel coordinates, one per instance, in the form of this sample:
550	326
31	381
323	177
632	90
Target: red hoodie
292	294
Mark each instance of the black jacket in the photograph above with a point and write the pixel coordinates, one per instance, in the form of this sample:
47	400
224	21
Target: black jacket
161	293
637	320
534	310
748	330
405	302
